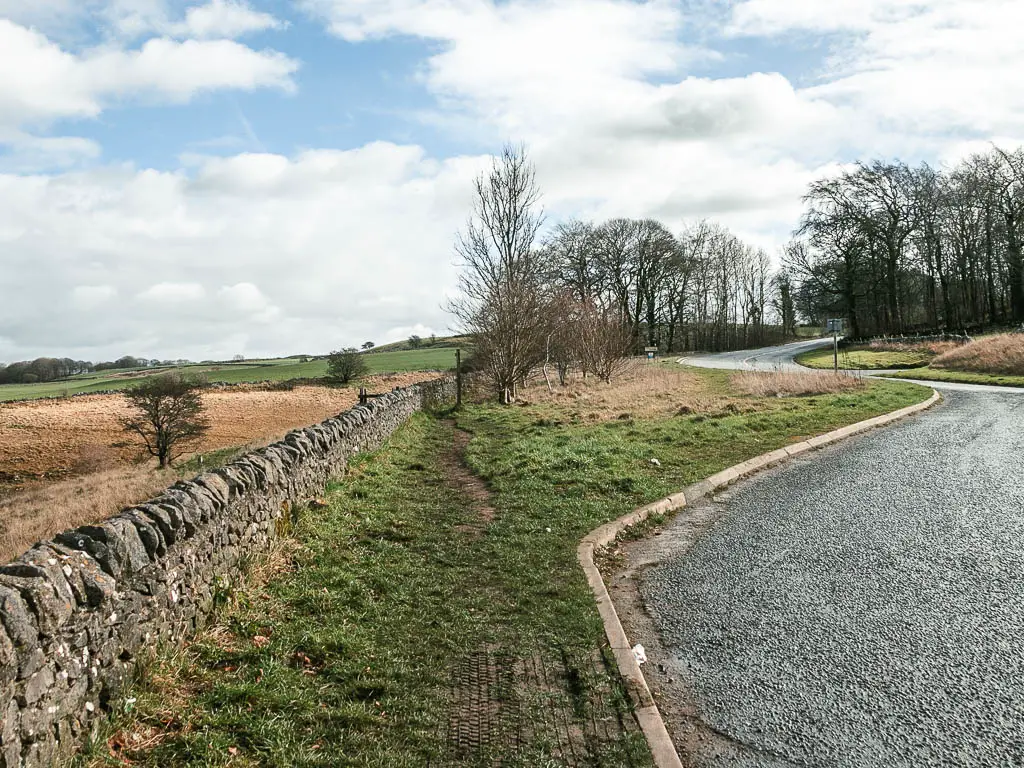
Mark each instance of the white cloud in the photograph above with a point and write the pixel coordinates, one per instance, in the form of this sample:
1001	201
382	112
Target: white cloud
27	153
303	264
179	70
604	93
916	75
40	82
89	297
173	293
248	301
224	18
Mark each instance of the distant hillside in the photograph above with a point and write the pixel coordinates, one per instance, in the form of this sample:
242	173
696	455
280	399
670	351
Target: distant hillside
442	342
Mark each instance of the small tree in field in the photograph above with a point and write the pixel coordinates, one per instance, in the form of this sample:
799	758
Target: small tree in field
368	345
168	414
346	365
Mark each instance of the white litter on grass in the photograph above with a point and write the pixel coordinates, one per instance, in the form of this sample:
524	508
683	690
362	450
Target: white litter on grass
655	462
548	530
639	654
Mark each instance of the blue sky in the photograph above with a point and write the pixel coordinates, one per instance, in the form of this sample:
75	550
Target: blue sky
202	178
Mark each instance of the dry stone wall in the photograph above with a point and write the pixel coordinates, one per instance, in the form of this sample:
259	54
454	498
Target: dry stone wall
78	612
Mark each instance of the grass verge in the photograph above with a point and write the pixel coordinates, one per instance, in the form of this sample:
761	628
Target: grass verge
864	359
960	377
403	585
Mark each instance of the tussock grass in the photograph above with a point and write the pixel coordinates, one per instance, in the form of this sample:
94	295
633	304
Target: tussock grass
1000	355
43	509
641	390
794	384
925	349
36	513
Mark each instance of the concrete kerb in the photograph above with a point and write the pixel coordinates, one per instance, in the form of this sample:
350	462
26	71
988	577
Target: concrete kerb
647	714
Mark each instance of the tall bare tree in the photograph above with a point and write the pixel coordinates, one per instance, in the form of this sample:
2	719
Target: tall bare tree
502	298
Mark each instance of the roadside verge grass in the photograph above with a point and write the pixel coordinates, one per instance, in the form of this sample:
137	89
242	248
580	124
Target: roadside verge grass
408	577
960	377
864	358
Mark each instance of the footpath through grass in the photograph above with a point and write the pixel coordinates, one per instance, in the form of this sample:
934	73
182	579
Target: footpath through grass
425	619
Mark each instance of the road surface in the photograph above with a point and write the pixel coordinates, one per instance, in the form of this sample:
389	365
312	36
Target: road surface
859	607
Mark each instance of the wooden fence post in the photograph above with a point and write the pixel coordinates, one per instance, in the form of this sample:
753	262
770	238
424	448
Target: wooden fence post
458	378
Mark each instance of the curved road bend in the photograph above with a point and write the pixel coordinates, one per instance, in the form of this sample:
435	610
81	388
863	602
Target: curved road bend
862	606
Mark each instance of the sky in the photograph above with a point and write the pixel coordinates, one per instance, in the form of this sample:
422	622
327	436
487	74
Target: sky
205	178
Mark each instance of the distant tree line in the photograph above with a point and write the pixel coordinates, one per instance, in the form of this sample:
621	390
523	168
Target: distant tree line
701	289
57	368
894	248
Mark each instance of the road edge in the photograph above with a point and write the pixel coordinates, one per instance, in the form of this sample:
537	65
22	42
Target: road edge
649	717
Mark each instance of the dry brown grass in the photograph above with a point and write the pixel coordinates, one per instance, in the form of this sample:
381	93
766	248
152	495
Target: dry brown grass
78	469
1003	354
50	439
641	391
39	511
927	347
794	384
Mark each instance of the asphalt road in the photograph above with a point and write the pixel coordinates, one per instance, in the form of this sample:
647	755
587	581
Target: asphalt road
862	606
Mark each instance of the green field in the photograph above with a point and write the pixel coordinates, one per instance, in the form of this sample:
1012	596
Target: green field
426	559
439	343
249	371
864	359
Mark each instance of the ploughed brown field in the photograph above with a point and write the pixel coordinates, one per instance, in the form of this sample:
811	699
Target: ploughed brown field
65	463
49	439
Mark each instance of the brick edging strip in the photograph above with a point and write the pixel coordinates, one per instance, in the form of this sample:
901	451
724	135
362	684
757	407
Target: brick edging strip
647	714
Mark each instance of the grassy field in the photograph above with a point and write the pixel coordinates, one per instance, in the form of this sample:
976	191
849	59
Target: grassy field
253	371
864	358
449	550
439	343
960	377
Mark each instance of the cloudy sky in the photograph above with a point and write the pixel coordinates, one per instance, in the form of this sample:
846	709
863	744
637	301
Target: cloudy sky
202	178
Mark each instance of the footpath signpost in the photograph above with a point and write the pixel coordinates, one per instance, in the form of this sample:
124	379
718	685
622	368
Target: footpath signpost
835	327
651	352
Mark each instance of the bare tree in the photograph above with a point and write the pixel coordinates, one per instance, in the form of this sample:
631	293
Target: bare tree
502	287
605	341
168	415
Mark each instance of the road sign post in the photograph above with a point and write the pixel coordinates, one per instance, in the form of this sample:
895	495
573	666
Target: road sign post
651	352
835	325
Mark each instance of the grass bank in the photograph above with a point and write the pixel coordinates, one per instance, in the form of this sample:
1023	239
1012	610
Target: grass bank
865	359
433	612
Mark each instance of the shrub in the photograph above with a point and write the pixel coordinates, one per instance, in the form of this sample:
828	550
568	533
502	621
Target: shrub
344	366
